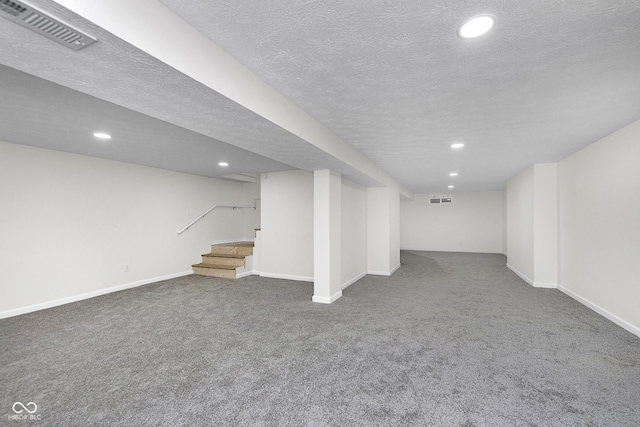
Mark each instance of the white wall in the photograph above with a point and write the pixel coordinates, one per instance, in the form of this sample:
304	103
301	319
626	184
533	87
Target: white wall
505	221
472	222
327	237
394	229
354	232
599	204
520	224
545	225
251	217
71	223
532	230
287	241
287	225
383	234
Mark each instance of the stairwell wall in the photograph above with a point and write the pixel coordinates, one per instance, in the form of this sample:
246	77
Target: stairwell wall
251	217
71	225
287	225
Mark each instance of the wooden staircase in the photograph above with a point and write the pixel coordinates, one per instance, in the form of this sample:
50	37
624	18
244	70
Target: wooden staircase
224	260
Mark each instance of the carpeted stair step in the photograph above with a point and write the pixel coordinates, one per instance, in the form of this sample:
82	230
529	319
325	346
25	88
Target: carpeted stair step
224	260
239	248
213	270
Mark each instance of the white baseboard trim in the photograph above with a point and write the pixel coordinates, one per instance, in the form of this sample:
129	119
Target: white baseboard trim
325	300
601	311
247	273
379	273
353	280
286	277
531	282
520	275
384	273
80	297
545	285
394	269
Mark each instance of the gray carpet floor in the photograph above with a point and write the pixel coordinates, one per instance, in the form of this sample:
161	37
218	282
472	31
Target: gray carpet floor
449	340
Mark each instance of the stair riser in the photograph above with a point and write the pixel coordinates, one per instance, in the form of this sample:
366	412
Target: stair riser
228	262
232	250
215	272
223	260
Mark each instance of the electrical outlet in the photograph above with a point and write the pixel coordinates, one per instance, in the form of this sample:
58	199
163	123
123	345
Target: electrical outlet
127	268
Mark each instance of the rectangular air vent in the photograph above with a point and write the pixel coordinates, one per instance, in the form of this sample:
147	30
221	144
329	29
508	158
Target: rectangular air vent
439	198
42	23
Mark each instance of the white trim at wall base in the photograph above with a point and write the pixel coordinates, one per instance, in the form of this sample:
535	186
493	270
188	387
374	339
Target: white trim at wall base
384	273
520	275
80	297
531	282
545	285
601	311
325	300
247	273
394	269
286	277
352	281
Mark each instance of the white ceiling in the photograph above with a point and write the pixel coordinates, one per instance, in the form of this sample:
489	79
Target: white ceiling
48	115
390	78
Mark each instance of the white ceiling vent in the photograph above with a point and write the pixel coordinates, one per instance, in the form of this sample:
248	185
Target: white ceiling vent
36	20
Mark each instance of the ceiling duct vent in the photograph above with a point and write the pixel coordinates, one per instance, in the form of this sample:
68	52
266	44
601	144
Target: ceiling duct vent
42	23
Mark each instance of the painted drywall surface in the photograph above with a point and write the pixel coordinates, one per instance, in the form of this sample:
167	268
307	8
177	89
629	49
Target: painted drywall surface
394	229
189	51
71	223
472	222
287	225
545	224
327	247
505	221
354	231
383	230
599	205
251	221
520	223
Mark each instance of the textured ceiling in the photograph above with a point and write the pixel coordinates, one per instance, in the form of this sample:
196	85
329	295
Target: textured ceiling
391	78
54	117
114	71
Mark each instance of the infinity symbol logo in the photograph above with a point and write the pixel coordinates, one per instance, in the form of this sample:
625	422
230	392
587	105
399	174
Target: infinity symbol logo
24	408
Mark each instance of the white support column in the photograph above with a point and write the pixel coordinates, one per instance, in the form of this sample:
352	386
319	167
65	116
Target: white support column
327	236
383	231
545	225
532	225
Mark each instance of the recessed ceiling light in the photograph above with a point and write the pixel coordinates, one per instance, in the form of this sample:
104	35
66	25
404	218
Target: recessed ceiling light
453	174
475	27
102	135
451	186
457	145
223	164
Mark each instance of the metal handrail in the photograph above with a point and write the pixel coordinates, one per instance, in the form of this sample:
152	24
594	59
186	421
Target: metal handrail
203	214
